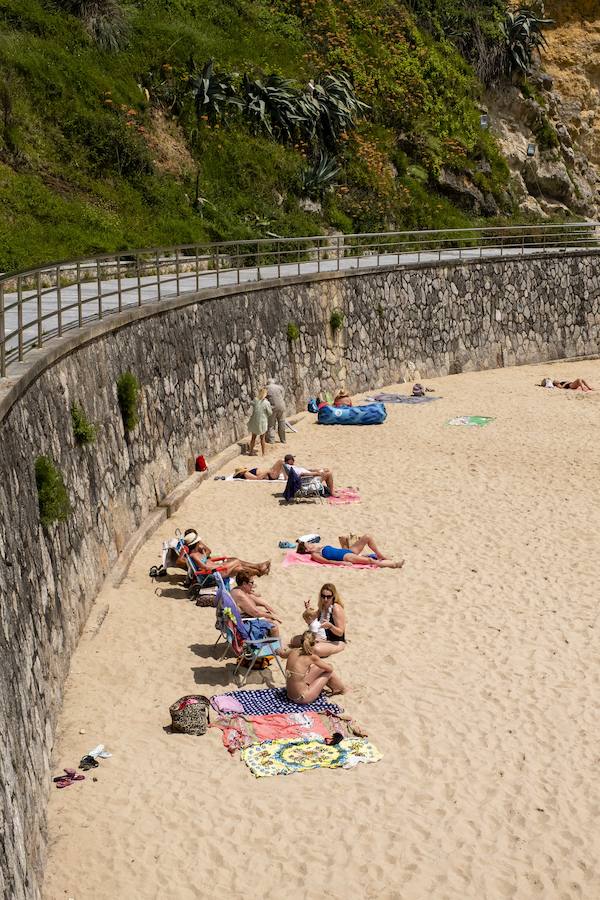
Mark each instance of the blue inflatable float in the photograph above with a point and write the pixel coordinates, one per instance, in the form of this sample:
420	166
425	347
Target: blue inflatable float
370	414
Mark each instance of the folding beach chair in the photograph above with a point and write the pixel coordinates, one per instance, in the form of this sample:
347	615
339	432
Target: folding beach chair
234	631
201	580
303	487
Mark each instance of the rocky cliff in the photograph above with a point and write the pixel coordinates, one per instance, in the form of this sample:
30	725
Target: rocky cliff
558	111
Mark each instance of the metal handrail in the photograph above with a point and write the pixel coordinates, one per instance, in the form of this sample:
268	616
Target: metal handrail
41	303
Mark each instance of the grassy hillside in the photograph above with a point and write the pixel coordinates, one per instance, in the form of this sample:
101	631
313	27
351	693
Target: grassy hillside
101	149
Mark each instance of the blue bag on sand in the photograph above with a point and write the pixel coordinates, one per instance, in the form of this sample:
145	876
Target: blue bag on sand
372	414
312	405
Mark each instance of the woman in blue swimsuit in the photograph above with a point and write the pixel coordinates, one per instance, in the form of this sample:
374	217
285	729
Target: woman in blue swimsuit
353	556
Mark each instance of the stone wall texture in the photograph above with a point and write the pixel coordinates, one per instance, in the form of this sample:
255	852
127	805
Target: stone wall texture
199	366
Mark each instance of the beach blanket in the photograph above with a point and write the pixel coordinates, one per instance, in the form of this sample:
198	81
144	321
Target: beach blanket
275	700
400	398
476	421
284	757
292	558
242	731
343	496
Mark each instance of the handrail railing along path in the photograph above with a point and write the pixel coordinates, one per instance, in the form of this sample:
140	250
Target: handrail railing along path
43	303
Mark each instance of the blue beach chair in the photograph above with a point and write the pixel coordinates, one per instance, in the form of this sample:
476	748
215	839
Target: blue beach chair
234	630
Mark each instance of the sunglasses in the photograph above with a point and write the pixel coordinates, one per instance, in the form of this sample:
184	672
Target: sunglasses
327	596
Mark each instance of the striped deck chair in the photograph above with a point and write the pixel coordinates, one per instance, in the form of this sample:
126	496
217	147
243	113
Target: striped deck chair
235	631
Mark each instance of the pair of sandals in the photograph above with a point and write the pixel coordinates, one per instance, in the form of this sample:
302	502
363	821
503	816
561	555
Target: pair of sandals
69	778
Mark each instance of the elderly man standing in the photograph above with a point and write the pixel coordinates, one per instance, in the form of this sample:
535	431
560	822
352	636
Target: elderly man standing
276	397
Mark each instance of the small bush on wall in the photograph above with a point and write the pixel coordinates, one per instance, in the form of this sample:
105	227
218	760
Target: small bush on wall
52	495
336	319
128	394
83	429
293	332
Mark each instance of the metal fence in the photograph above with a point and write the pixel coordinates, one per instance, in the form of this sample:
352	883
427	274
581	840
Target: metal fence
43	303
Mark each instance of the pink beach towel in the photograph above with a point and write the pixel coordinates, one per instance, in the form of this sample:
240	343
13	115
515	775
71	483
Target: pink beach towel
292	558
344	495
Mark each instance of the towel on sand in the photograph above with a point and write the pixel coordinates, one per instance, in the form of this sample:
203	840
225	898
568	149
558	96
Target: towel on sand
275	700
401	398
284	757
292	558
343	496
477	421
242	731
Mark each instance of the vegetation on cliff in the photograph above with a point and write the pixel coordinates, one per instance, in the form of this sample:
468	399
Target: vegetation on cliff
104	144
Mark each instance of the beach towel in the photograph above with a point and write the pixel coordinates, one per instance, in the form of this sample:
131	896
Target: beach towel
400	398
343	496
292	558
477	421
254	480
284	757
242	731
275	700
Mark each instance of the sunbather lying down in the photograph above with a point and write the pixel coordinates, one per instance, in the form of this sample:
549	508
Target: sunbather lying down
579	384
352	556
227	565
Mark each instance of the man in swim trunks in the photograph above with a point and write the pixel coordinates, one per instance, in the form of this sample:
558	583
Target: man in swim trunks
326	475
250	604
353	556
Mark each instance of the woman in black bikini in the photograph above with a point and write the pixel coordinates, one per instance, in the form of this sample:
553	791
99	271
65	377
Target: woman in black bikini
271	474
579	384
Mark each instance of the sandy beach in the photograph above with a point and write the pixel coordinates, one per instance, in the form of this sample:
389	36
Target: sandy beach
475	670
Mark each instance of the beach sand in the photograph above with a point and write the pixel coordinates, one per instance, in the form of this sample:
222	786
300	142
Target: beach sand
475	670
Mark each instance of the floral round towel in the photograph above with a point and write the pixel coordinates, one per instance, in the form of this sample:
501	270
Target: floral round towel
284	757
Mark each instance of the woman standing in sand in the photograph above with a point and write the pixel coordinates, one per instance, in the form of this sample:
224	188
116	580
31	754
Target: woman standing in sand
258	423
307	674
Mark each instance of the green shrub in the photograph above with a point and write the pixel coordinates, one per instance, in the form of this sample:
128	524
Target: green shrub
52	495
83	429
128	394
293	332
546	135
336	320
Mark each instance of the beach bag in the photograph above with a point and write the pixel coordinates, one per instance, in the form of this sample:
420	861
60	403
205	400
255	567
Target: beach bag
189	714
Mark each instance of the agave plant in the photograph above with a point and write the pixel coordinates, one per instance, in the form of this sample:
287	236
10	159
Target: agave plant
338	107
272	105
213	93
523	35
320	176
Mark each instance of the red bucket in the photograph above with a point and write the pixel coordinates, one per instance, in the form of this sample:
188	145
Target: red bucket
201	464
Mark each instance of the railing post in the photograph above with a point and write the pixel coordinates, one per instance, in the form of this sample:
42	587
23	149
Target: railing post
338	252
177	271
59	301
197	269
79	304
157	259
2	333
217	267
20	317
237	249
139	279
99	284
119	295
319	248
278	260
40	329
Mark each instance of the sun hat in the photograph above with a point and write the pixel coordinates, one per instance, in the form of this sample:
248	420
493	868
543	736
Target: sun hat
191	538
418	390
240	470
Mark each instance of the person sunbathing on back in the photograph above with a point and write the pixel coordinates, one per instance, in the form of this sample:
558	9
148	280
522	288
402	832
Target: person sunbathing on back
350	556
579	384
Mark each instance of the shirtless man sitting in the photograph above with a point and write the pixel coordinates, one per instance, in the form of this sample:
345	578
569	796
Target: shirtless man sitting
228	566
251	604
325	475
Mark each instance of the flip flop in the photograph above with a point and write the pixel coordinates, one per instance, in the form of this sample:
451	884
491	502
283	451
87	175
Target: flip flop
63	782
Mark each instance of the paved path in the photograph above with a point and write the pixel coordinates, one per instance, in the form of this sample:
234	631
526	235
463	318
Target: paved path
95	307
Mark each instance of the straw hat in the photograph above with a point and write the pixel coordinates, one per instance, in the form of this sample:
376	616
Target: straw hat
240	470
191	538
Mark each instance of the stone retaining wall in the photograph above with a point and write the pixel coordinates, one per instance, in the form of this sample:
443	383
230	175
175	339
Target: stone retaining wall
200	361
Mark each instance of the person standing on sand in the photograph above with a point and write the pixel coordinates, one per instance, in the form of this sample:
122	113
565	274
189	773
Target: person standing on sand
276	397
258	422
